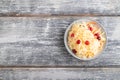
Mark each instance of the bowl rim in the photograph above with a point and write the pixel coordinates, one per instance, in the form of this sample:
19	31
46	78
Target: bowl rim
66	35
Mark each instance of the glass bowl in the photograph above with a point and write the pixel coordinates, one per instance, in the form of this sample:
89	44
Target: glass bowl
66	38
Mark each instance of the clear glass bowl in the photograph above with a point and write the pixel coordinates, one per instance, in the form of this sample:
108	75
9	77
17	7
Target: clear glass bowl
66	40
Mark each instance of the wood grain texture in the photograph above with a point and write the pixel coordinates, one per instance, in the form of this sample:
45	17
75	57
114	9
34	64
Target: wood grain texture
60	74
39	42
58	7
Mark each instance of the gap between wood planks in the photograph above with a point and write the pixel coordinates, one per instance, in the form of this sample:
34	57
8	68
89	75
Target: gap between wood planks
55	15
110	66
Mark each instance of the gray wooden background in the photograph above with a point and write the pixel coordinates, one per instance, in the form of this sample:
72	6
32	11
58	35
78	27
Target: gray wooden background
31	40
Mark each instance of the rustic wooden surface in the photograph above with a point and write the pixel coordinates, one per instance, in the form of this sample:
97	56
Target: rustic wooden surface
31	40
59	7
60	74
39	42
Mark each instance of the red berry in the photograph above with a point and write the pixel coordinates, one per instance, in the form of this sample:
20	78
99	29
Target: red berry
87	42
96	34
78	41
98	37
74	51
90	28
72	35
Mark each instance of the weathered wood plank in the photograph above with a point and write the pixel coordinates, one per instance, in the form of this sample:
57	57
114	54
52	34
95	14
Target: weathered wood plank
39	42
60	74
59	7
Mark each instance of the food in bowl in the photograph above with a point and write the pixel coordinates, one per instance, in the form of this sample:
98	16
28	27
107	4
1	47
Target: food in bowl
86	39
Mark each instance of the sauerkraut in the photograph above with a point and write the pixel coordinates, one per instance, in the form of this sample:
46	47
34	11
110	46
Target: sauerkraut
86	39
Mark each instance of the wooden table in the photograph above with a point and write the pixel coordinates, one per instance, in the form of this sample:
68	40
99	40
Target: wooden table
31	40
